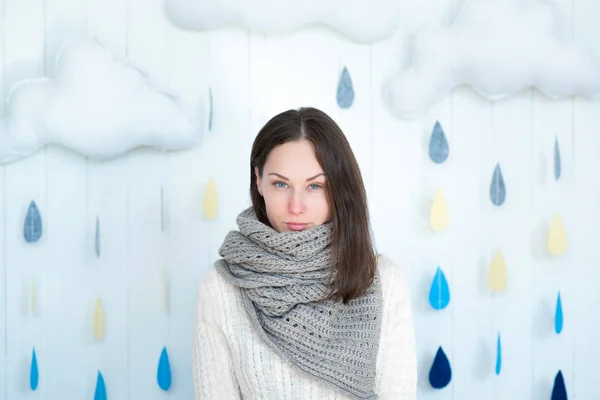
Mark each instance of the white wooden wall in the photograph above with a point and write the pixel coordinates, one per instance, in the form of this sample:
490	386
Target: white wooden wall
253	77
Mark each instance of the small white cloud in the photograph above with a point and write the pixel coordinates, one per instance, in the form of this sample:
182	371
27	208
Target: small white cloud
498	48
95	106
359	20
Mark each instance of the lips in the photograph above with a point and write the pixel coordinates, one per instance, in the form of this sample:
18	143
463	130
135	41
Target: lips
296	226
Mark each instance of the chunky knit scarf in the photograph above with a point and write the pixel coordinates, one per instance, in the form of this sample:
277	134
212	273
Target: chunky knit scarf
283	278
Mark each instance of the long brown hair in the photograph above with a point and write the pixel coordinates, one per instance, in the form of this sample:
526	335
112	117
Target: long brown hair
352	244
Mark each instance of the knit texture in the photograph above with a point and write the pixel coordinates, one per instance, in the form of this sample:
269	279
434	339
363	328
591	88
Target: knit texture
232	361
283	278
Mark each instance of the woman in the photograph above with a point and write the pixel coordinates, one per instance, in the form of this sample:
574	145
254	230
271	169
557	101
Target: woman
300	306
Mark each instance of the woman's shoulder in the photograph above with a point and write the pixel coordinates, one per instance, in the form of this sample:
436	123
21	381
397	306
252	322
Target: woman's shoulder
394	281
214	290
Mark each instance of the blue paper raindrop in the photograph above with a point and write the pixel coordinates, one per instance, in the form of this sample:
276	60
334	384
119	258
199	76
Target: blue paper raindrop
439	293
345	90
100	393
498	355
210	109
34	374
440	373
559	391
558	315
438	144
97	241
163	375
497	188
32	229
557	163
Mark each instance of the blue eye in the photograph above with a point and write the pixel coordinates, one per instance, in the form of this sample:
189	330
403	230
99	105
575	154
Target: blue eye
317	186
278	183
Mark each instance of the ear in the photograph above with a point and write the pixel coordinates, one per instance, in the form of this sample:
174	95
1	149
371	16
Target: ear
258	181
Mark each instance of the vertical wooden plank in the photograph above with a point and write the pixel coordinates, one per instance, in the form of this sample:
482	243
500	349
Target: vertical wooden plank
188	234
474	335
67	283
553	121
107	200
25	182
3	266
584	319
510	227
148	172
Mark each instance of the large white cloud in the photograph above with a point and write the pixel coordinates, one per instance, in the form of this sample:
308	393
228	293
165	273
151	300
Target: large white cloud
499	48
363	21
96	106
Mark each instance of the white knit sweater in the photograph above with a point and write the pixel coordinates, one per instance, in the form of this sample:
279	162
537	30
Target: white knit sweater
232	362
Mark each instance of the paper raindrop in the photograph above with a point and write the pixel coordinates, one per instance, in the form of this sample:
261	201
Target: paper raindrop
163	375
557	237
439	294
98	320
558	315
438	144
97	239
32	229
497	277
345	90
210	200
100	393
439	217
557	163
34	375
440	373
498	188
498	355
559	391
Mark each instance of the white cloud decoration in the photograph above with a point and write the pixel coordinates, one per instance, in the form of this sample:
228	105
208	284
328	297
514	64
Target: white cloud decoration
95	106
498	48
359	20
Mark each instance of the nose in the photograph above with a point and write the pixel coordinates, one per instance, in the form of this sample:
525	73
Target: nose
296	204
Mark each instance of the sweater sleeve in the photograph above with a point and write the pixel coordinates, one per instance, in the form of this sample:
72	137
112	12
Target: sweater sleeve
398	370
214	375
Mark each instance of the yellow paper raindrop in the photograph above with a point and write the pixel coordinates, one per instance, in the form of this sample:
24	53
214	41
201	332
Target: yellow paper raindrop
557	237
33	297
165	289
439	217
210	200
498	276
98	320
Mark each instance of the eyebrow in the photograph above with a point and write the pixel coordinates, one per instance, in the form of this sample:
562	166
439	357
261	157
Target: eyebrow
309	179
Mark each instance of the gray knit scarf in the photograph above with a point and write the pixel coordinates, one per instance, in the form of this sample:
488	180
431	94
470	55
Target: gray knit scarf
283	277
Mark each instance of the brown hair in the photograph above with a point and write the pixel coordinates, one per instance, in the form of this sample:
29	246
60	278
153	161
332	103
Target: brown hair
346	195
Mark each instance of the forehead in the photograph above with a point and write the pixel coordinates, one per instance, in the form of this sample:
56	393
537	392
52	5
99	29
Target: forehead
293	158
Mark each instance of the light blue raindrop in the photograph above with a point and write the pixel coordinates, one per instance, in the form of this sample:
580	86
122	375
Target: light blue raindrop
34	374
163	375
345	90
32	229
558	315
438	144
498	355
498	188
100	393
439	293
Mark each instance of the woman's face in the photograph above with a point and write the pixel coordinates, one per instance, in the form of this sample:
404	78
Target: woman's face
293	187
